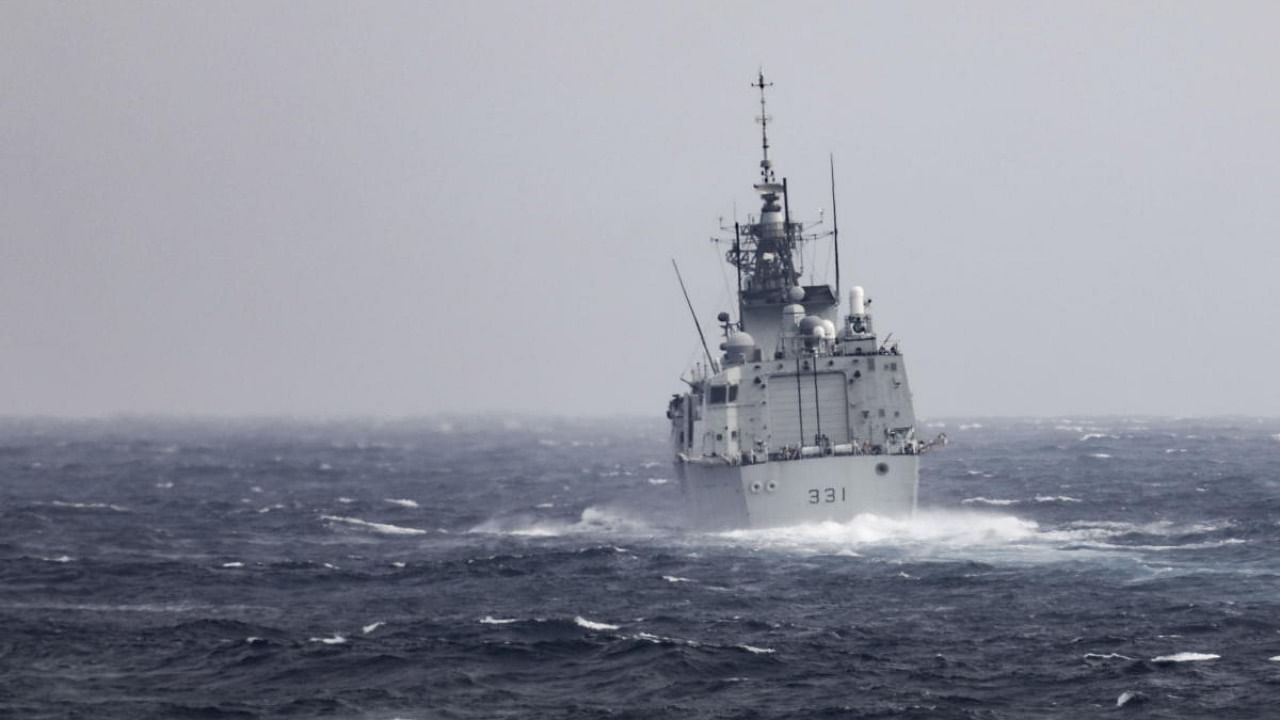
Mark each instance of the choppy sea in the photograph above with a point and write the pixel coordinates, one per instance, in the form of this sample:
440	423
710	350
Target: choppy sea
513	568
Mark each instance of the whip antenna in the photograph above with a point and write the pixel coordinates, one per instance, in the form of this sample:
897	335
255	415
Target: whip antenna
696	324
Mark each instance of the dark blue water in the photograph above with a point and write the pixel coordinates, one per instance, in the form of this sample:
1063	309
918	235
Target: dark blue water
536	568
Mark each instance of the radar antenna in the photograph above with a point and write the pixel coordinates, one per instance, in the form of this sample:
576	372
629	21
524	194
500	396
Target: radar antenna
766	167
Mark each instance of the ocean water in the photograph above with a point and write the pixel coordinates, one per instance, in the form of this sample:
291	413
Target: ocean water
489	568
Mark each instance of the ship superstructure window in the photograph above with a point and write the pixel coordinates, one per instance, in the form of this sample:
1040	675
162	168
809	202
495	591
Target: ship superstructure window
721	394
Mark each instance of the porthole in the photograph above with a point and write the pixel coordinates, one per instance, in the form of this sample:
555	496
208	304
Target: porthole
773	485
755	486
882	468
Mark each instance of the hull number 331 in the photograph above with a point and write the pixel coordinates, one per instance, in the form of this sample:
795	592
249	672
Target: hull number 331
826	495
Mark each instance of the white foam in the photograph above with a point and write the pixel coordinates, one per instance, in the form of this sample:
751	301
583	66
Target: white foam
980	500
232	564
89	506
397	564
592	521
1274	659
545	505
1056	499
371	627
1100	456
659	481
346	500
402	502
491	620
335	640
659	639
59	559
253	640
757	650
1108	656
930	527
165	485
676	579
1126	697
592	625
383	528
1093	436
1185	657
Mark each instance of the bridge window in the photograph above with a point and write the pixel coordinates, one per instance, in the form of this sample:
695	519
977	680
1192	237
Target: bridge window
721	394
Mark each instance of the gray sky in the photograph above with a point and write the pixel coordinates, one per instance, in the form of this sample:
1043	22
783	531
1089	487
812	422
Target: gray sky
407	208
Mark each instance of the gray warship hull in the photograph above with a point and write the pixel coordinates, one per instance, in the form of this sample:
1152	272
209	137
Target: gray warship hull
814	490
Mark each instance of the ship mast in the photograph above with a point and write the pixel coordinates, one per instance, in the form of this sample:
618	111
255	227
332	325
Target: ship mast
766	167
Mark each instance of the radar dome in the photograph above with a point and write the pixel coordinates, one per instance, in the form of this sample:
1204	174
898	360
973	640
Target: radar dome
810	323
795	294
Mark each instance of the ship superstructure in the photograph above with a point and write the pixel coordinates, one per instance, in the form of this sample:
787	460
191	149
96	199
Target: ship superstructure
805	415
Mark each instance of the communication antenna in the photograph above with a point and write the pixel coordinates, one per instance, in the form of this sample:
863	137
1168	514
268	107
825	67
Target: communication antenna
835	222
766	167
698	325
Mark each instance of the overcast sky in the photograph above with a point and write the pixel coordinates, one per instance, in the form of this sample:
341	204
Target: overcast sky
408	208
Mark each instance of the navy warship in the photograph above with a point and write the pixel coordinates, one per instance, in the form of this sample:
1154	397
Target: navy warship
805	414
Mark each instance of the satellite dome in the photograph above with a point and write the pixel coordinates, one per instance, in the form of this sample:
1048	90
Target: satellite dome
739	341
795	294
810	323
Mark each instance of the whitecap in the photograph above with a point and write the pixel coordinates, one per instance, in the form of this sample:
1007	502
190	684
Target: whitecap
232	564
952	528
335	640
592	625
491	620
402	502
59	559
89	506
592	520
545	505
1100	456
1129	696
1056	499
253	640
980	500
383	528
372	626
676	579
757	650
1108	656
397	564
659	481
346	500
164	485
1185	657
659	639
1274	659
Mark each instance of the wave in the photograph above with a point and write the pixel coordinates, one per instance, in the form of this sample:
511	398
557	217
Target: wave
592	520
592	625
932	527
402	502
980	500
491	620
1185	657
383	528
89	506
335	640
